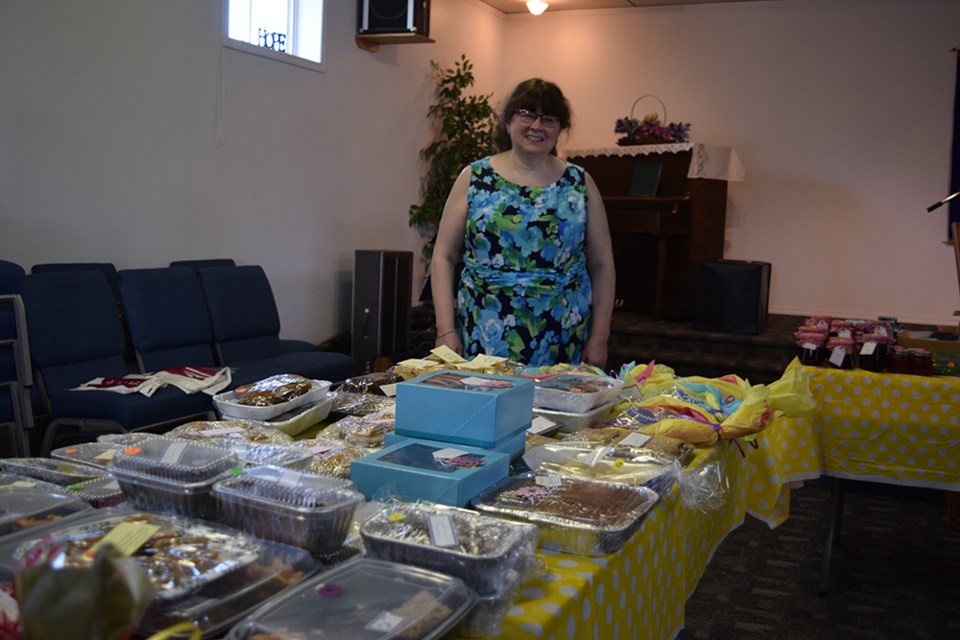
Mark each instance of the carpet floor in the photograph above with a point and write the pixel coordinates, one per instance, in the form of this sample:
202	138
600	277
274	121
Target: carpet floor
895	573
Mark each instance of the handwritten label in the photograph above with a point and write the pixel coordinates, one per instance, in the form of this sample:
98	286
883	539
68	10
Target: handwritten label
837	356
868	348
550	482
541	425
636	440
106	455
389	390
127	537
442	533
385	622
173	453
448	355
446	454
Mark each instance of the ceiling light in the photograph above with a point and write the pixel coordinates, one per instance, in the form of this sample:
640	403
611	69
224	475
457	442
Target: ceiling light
536	7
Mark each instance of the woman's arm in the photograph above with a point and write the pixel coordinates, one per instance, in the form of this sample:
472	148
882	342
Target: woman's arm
446	255
602	276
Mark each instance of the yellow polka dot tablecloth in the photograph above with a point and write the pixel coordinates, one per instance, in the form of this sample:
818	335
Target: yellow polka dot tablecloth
879	427
639	592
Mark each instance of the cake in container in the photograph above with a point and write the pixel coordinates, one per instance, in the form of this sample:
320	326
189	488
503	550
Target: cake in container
96	454
271	397
302	509
59	472
575	393
26	507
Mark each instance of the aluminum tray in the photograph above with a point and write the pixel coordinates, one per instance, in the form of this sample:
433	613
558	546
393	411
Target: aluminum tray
571	422
363	599
302	509
183	555
300	419
485	548
576	516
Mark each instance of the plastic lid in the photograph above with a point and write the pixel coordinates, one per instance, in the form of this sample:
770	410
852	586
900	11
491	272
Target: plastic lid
25	507
365	599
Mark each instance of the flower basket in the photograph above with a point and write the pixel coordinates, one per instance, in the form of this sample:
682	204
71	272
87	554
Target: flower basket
651	128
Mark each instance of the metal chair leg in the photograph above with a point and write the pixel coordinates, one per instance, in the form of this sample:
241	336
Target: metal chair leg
833	533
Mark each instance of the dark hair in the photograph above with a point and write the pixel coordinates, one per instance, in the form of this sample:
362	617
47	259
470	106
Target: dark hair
536	95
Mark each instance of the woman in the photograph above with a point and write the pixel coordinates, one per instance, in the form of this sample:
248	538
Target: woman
538	279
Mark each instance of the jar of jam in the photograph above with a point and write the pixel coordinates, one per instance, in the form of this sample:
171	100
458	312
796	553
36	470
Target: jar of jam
872	355
899	360
922	361
810	344
842	353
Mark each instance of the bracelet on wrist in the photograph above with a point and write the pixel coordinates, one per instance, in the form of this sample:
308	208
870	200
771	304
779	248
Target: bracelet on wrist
446	333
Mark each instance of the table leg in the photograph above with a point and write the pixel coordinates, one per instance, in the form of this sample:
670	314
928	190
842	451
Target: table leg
834	518
953	510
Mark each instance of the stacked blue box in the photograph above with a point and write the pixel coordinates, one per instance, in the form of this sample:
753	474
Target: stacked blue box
513	445
464	408
413	469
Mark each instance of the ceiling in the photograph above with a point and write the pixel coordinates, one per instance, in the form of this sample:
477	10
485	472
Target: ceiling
520	6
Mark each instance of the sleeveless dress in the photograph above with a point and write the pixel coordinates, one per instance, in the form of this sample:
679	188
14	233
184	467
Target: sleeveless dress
524	290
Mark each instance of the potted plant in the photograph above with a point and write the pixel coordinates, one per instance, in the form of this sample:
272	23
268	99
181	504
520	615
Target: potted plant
464	125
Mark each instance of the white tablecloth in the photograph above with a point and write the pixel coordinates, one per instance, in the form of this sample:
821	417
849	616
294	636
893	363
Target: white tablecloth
708	161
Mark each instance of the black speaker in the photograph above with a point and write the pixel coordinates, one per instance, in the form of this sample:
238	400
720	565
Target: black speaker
732	296
382	290
393	16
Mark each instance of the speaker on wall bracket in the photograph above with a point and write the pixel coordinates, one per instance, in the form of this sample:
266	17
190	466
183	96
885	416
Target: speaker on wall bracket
411	17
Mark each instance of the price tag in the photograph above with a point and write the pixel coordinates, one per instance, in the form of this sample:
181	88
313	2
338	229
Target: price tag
173	453
868	348
222	431
881	330
448	355
127	537
389	390
844	333
636	440
106	455
446	454
837	356
541	425
385	622
23	484
442	533
550	482
290	478
809	346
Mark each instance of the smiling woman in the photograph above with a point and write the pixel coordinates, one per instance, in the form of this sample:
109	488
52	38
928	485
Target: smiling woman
537	282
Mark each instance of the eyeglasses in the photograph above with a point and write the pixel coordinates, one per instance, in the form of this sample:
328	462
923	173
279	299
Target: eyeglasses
529	117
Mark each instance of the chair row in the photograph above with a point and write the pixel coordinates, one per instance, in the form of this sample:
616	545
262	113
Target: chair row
181	315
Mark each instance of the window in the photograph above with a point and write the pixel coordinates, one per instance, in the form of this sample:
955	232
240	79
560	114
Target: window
287	30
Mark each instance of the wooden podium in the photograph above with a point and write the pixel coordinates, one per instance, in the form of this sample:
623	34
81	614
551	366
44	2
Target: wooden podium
659	240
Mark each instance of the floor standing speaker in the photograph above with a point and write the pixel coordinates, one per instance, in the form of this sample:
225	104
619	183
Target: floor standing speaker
393	16
382	291
731	296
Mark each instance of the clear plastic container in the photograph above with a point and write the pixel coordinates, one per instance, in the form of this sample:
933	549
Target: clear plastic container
172	476
577	516
303	509
576	393
363	599
59	472
230	404
27	507
571	422
96	454
98	493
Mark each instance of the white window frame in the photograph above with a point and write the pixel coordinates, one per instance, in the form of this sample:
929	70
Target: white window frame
287	58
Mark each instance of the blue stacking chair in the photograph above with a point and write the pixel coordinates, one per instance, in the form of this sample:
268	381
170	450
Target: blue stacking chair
75	336
16	379
204	263
108	269
170	326
246	326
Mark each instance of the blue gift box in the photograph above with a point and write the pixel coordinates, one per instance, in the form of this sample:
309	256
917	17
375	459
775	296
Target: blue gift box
513	445
409	470
464	408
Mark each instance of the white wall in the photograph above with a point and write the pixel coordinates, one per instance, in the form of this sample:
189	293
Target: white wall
841	113
109	148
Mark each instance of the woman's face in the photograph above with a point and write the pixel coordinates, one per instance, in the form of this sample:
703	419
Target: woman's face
533	131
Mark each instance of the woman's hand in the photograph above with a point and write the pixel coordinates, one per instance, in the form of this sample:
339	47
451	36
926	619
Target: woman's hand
595	353
451	340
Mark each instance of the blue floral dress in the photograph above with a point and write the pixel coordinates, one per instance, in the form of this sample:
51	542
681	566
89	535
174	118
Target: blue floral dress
524	290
